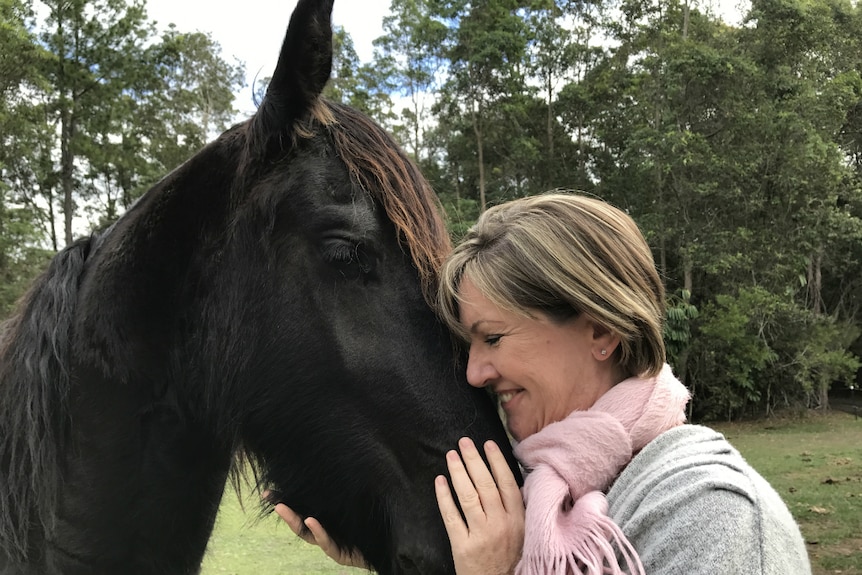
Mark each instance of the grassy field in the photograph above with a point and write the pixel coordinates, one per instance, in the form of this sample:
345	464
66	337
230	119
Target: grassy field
814	462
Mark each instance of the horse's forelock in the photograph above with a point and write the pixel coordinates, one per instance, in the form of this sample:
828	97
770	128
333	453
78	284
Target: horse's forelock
381	168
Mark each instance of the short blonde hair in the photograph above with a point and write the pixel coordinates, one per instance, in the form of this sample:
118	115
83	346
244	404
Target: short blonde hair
564	254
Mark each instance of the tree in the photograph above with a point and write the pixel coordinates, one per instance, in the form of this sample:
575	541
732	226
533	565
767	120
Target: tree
22	140
485	50
362	86
94	108
128	106
409	53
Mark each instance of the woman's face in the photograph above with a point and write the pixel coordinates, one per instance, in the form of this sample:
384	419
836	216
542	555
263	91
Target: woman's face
540	370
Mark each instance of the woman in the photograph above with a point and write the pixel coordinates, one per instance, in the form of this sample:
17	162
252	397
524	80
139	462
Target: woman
559	301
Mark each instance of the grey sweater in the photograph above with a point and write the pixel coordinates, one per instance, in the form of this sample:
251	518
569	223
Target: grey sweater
690	504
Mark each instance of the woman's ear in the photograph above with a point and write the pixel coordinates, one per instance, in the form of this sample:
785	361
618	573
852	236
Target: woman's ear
604	342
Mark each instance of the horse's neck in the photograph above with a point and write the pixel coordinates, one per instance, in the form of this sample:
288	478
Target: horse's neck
141	488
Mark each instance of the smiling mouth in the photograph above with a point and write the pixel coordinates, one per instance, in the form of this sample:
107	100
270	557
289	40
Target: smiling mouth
506	396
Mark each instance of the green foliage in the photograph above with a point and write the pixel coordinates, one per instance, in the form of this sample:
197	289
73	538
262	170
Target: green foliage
735	148
732	349
756	350
94	108
364	87
677	326
461	214
822	358
20	257
102	106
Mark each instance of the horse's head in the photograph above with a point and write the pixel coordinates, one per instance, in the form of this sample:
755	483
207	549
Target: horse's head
268	296
348	394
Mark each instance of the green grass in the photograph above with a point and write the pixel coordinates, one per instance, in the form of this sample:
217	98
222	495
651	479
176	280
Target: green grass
814	462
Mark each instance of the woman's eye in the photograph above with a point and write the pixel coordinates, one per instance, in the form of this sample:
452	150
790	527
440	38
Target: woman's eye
493	339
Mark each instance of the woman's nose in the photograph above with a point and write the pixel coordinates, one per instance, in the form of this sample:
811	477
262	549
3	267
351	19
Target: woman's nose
480	371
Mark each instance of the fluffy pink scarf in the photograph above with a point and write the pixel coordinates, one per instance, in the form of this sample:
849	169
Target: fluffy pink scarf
572	462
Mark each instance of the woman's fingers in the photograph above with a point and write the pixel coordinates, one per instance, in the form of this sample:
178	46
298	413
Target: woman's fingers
510	493
294	521
317	535
321	537
347	558
452	520
466	492
490	540
479	480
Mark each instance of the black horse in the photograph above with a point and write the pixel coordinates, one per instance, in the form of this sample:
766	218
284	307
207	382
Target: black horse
267	298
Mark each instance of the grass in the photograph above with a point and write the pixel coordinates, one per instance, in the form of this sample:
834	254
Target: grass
814	462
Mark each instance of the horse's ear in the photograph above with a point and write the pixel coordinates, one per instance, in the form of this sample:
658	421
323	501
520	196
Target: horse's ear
303	68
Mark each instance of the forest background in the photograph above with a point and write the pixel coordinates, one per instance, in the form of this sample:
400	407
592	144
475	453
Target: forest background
737	148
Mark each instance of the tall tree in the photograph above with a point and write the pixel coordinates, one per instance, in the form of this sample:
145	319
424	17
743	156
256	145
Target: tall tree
410	53
23	136
96	45
485	50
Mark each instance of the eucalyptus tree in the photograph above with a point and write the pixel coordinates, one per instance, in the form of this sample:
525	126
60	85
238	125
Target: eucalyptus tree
409	54
564	44
94	107
96	45
23	143
485	49
126	103
721	142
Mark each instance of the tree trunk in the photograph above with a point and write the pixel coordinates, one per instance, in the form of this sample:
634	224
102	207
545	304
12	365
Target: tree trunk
67	168
550	120
685	17
815	282
480	153
682	360
415	128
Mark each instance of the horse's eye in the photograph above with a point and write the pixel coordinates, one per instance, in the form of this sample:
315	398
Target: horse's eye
351	259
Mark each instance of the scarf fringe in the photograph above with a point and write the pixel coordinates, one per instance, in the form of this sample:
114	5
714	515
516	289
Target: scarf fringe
590	552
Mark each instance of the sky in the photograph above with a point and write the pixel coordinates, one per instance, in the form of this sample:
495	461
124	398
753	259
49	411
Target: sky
252	30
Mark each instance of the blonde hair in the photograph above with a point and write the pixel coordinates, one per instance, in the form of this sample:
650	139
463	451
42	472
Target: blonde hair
564	254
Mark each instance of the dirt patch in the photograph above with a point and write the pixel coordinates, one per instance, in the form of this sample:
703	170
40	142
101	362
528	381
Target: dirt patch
847	553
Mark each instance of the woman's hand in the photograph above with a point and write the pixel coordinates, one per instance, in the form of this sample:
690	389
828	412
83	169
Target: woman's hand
317	535
491	540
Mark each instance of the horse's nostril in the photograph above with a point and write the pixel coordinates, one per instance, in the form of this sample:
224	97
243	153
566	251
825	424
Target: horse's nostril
413	563
408	566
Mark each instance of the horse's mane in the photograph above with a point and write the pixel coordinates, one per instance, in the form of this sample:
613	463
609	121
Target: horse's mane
34	389
380	167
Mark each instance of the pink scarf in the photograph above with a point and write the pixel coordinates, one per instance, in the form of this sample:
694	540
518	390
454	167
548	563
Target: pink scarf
572	462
